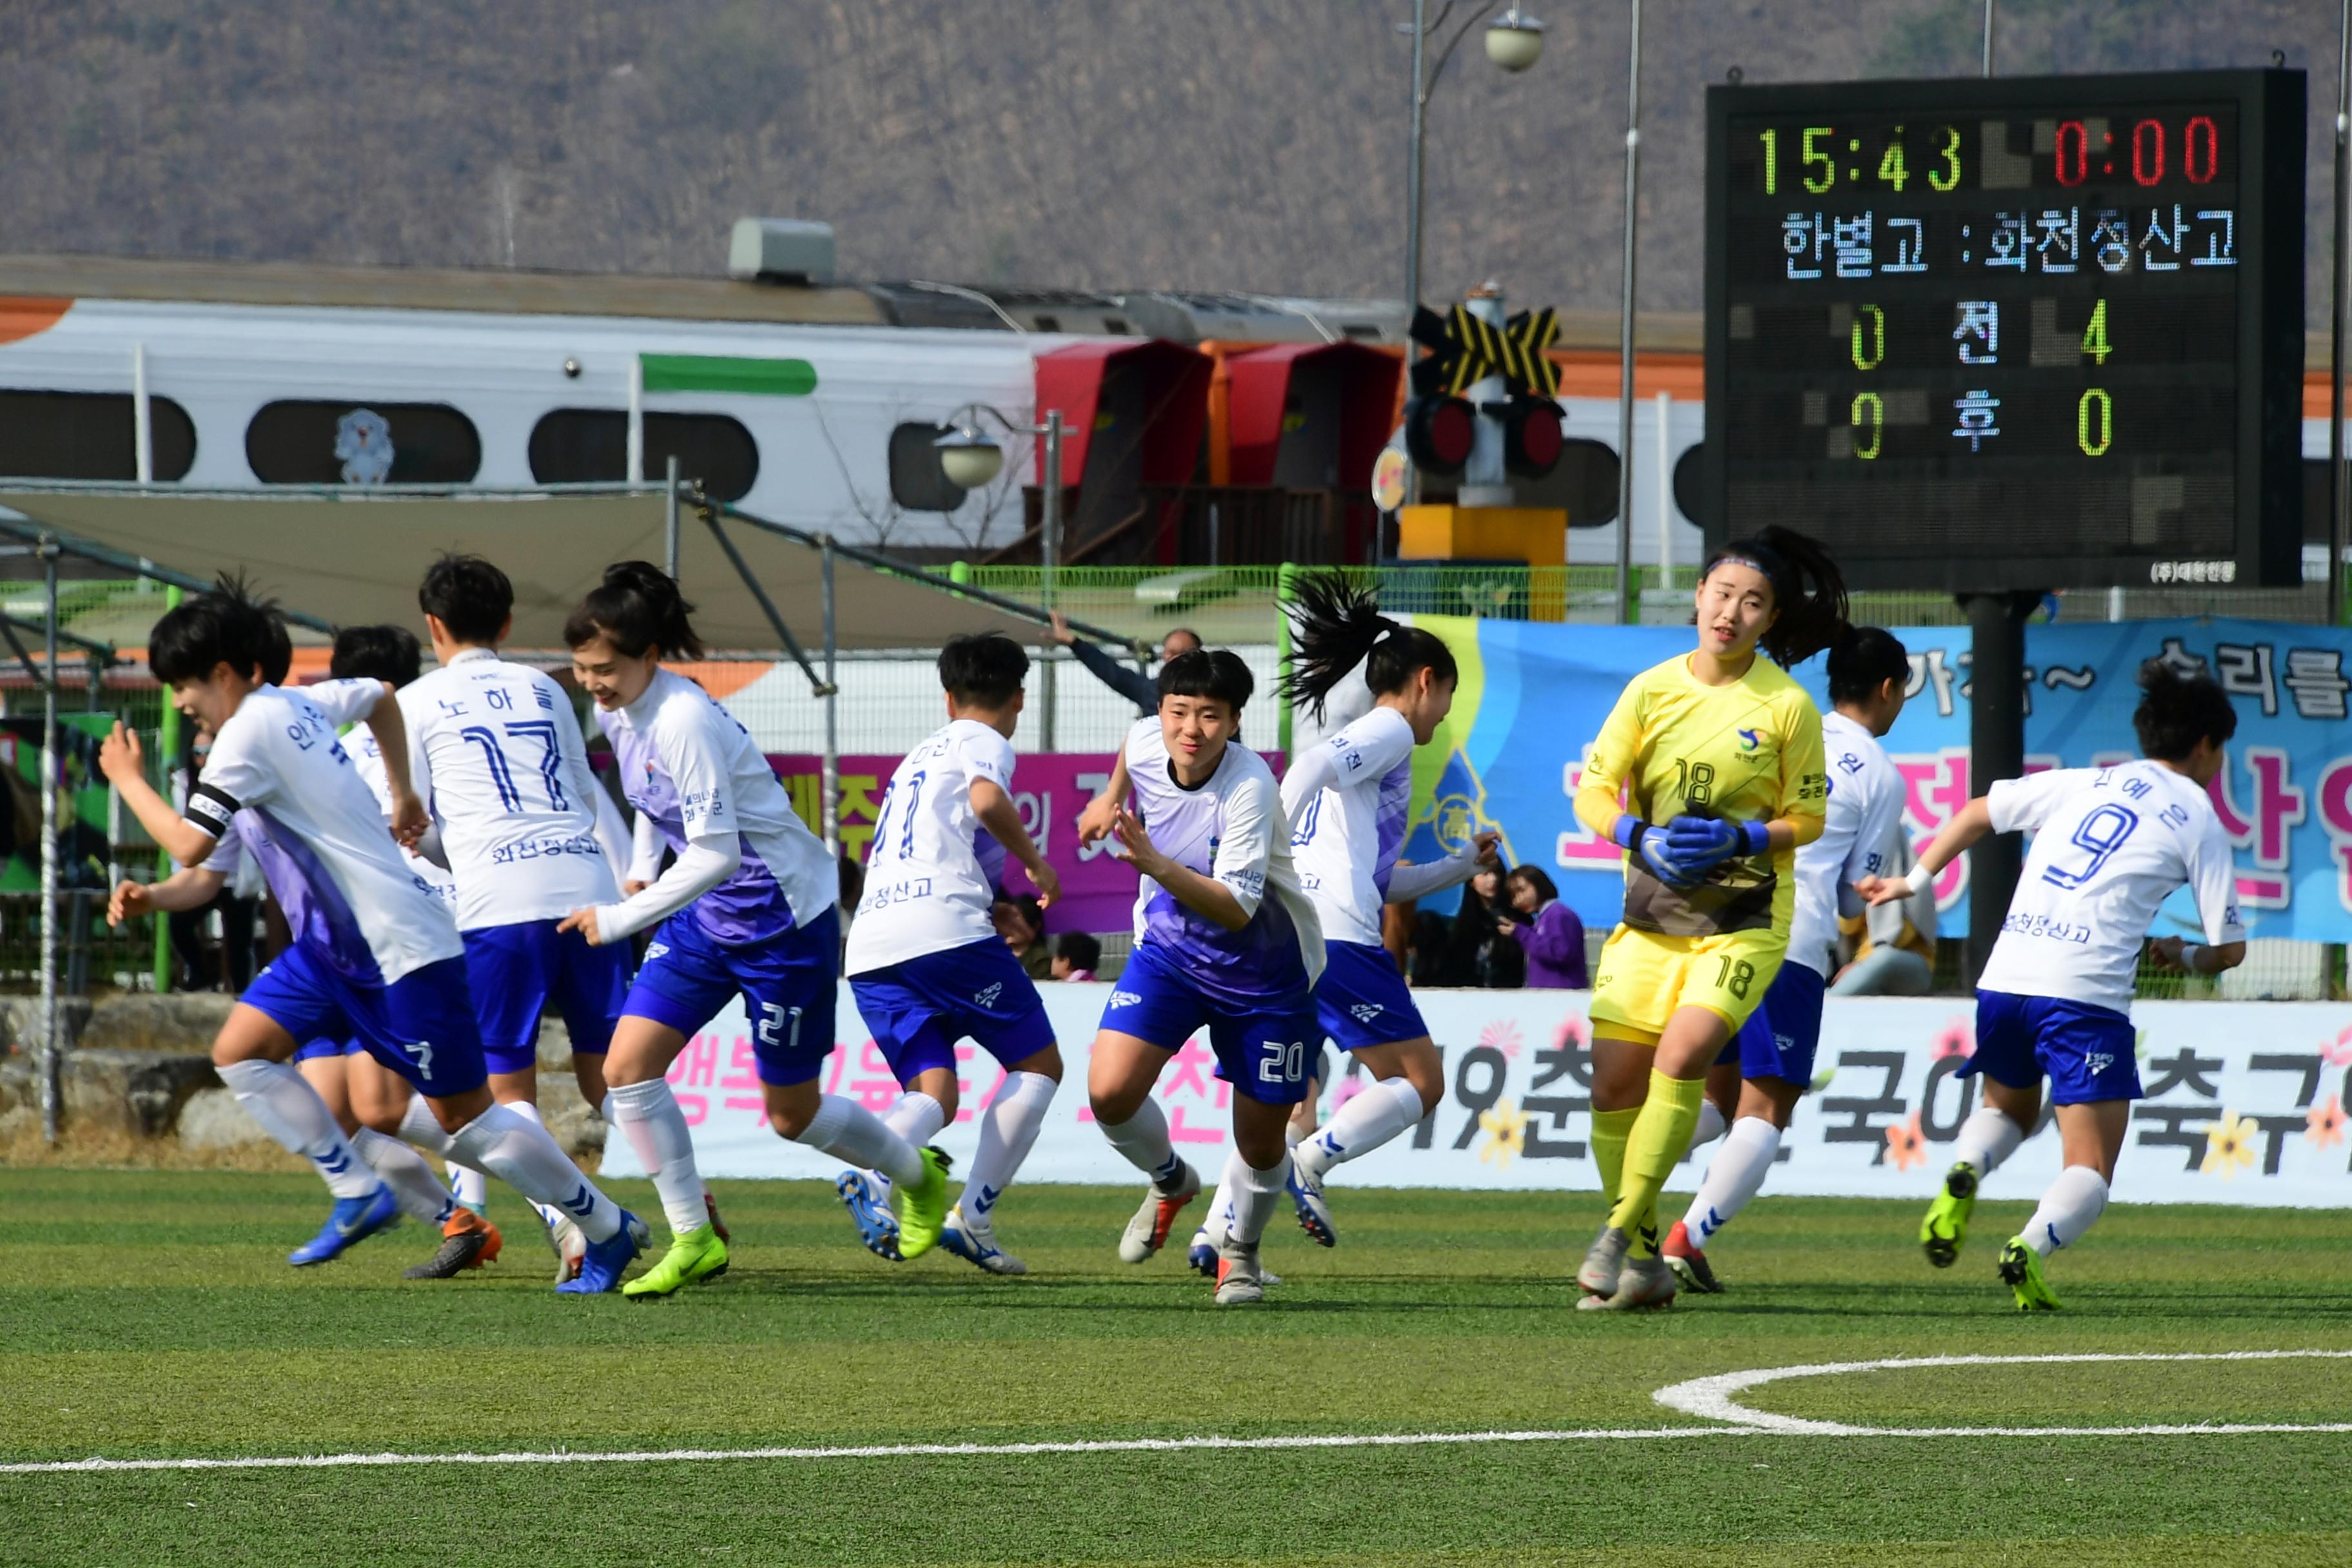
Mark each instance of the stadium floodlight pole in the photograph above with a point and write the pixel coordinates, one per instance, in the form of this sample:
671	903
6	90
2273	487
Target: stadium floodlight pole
1988	36
971	459
669	519
1514	42
1625	324
51	775
829	780
2339	492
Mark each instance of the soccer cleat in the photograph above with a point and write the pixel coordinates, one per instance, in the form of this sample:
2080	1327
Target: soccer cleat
467	1241
1643	1284
1200	1256
1946	1224
1314	1212
976	1244
711	1207
1602	1262
1240	1281
869	1208
699	1255
564	1239
1147	1233
2021	1271
923	1208
350	1222
601	1268
1689	1262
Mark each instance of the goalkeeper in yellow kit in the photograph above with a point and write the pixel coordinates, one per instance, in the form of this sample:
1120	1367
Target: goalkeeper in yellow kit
1709	774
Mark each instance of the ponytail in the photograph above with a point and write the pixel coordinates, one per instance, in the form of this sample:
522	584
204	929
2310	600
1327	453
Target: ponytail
1864	659
1808	591
636	607
1335	627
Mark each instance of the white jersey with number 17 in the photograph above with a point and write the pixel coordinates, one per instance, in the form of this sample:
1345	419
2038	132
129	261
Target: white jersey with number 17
2110	844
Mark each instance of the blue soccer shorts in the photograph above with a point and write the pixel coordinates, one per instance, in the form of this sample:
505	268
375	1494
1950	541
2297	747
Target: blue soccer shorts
1361	1000
788	983
518	971
1264	1048
1782	1038
920	1007
421	1025
2087	1051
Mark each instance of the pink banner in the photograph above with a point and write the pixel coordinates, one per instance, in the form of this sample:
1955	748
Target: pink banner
1049	788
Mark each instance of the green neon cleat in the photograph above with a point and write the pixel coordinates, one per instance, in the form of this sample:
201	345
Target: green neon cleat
923	1208
2021	1271
697	1255
1946	1229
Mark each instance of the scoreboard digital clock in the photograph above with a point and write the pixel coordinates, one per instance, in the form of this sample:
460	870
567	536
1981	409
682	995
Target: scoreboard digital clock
2034	333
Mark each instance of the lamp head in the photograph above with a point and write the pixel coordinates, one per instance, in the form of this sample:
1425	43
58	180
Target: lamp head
968	459
1514	40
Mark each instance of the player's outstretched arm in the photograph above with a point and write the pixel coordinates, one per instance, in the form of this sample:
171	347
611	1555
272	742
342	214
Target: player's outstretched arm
2197	957
1003	819
409	817
190	888
125	767
1205	895
1409	881
1094	822
1970	822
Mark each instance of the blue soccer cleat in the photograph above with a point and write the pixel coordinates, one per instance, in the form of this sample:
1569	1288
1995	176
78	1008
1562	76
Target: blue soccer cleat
1313	1210
352	1222
868	1203
607	1261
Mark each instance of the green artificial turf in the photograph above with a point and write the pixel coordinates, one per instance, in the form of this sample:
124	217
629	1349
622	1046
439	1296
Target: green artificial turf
151	1316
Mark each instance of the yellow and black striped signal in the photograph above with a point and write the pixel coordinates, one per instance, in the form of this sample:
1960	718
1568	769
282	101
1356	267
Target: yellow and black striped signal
1465	350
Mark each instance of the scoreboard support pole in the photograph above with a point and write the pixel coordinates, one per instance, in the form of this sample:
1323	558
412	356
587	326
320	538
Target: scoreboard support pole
1995	751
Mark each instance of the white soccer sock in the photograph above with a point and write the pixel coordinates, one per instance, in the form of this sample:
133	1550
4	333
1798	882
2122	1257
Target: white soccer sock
1735	1175
2071	1206
915	1117
650	1118
1144	1139
1007	1129
519	1152
1217	1220
530	1112
291	1112
1987	1138
1360	1126
855	1136
469	1187
419	1126
413	1185
1254	1193
1712	1123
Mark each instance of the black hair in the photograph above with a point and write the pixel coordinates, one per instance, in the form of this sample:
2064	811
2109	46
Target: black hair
467	595
982	668
1864	659
2177	711
226	623
636	607
852	880
1217	673
1534	876
1029	909
1334	628
1082	950
1808	591
376	653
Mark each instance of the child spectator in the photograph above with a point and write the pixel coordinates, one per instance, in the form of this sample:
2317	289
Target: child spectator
1077	955
1552	937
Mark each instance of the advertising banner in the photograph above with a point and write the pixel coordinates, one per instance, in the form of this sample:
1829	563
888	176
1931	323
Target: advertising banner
1534	695
2246	1103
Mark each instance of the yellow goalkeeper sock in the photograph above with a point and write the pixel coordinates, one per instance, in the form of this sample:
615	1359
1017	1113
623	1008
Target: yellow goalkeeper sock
1661	1137
1609	1130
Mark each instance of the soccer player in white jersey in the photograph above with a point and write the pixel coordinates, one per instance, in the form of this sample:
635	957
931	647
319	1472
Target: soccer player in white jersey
1224	938
925	961
746	909
1769	1065
500	765
2110	844
1346	799
374	953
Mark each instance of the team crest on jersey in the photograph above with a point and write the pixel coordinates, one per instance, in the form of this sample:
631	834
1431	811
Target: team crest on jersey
1123	999
987	998
1750	739
1365	1012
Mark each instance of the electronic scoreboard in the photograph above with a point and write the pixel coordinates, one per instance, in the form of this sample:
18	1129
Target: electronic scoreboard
2035	332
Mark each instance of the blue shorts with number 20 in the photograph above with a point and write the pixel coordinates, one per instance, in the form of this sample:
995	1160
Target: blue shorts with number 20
1262	1051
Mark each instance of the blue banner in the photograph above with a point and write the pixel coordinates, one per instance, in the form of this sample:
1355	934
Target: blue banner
1533	696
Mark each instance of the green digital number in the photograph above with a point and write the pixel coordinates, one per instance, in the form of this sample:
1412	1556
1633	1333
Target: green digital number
1819	184
2094	336
1868	405
1771	139
1948	179
2096	399
1868	357
1890	167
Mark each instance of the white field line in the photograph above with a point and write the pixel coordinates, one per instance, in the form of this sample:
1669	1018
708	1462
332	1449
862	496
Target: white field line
1713	1397
1705	1397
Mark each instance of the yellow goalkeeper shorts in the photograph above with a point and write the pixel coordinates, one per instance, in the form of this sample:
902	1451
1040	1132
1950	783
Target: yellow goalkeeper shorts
1645	977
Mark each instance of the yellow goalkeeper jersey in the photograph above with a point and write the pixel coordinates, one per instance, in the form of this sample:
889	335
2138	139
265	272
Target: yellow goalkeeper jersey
1749	751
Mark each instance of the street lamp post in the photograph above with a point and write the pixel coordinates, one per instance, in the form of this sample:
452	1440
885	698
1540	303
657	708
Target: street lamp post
971	459
1514	42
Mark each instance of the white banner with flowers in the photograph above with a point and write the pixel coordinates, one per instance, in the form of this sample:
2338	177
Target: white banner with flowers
2245	1102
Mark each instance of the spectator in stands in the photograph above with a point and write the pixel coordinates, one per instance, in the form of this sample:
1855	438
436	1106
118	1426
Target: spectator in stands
1479	953
1547	932
1432	937
1077	955
1135	685
1021	924
1895	955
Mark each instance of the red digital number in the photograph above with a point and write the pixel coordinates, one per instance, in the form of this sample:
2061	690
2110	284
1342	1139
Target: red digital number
2074	156
2148	152
2200	153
